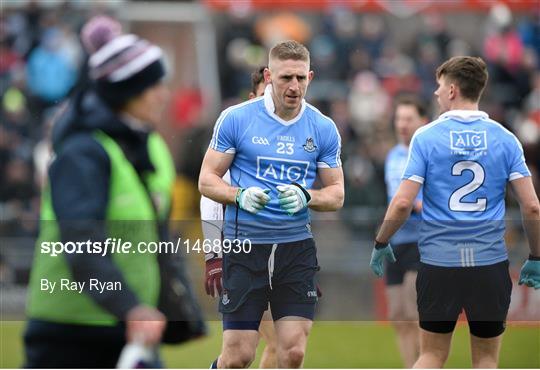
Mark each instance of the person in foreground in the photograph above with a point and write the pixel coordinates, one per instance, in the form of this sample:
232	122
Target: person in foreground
410	114
212	226
110	166
464	161
274	147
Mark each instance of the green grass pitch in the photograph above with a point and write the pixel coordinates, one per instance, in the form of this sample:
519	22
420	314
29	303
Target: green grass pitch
331	345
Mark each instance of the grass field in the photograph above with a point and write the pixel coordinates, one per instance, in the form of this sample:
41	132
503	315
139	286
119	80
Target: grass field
331	345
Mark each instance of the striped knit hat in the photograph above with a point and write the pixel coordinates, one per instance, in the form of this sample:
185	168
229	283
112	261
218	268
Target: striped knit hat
122	65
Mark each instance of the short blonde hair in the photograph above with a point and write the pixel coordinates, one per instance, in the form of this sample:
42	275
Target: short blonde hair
289	49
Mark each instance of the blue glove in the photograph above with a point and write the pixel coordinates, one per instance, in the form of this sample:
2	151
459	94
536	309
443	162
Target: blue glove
530	274
379	253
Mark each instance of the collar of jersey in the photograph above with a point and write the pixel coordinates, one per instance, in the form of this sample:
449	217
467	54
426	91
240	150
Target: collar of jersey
270	108
465	115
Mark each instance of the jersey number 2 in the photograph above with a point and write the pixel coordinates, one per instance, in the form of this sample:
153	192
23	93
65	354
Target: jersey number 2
456	203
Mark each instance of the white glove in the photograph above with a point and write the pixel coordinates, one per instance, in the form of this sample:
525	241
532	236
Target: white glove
292	198
252	199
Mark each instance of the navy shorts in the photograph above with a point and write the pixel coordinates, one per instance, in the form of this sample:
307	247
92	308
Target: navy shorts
282	275
483	292
407	259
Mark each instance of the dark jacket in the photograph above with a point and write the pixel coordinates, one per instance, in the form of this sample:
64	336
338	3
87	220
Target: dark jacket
79	181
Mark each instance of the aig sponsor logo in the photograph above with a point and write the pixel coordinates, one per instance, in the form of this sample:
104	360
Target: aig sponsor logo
282	170
468	140
259	140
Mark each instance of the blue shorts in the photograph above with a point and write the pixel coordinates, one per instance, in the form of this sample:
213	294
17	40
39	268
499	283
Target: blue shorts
282	275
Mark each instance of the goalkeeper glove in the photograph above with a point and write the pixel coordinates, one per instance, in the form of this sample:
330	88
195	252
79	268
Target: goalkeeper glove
293	198
252	199
379	253
530	273
213	274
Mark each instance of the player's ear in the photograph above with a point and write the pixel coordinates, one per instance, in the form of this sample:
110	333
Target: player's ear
311	74
452	91
267	76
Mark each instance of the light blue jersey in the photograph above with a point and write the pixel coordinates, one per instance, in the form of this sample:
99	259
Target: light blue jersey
395	163
269	152
464	161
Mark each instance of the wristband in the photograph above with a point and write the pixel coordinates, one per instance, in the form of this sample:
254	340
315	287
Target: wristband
533	258
306	193
212	255
237	196
379	245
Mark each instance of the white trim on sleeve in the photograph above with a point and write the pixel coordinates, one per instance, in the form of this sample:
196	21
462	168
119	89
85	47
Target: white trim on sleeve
416	178
514	176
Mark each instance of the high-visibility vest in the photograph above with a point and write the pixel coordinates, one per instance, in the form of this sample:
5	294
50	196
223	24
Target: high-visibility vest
130	217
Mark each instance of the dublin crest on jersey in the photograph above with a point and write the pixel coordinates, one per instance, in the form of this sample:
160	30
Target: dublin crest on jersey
225	298
309	146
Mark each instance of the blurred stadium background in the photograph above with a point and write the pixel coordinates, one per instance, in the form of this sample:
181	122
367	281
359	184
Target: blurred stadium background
364	54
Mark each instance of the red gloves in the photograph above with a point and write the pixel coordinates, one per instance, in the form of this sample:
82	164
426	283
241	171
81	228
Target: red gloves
214	272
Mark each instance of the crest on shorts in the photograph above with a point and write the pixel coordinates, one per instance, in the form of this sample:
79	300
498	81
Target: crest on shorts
309	146
225	298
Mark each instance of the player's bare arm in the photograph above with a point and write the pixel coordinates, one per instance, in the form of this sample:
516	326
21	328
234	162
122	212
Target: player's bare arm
211	183
330	197
530	211
399	210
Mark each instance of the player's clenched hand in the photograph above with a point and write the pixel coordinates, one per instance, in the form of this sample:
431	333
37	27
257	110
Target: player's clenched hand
146	324
379	253
252	199
214	274
293	198
530	274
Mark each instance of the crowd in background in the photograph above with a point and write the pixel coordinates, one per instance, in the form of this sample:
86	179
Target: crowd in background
360	69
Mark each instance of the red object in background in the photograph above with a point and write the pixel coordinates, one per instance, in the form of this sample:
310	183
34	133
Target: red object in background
401	84
403	6
8	60
186	107
381	305
505	48
535	116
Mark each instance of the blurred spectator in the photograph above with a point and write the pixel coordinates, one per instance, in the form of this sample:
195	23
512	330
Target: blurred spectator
9	58
235	37
428	60
17	182
436	33
504	52
504	48
51	72
342	26
273	28
368	103
372	35
529	31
